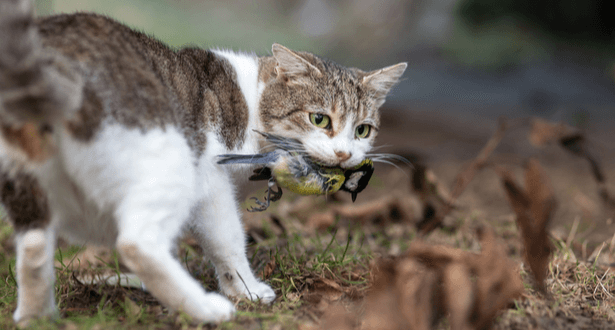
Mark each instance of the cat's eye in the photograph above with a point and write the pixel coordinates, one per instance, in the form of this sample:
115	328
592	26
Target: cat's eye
320	120
362	131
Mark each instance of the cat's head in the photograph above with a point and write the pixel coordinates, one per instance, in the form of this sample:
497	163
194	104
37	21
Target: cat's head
330	109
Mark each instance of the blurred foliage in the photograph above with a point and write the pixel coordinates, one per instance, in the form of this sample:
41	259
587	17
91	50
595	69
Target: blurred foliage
586	20
363	33
498	35
190	22
501	46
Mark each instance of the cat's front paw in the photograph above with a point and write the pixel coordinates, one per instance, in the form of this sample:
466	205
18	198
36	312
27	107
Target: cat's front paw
261	291
249	287
215	309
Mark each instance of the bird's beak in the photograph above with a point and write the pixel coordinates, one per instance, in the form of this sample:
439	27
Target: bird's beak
354	196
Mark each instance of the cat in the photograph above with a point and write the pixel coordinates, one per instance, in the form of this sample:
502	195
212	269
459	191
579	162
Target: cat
109	137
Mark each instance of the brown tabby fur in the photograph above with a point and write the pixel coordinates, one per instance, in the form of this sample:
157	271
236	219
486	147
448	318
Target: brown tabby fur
194	89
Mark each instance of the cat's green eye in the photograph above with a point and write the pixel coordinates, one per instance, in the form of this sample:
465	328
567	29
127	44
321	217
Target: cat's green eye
362	131
320	120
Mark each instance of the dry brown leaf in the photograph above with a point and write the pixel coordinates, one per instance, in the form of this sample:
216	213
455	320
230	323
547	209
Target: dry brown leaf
574	141
459	295
534	209
338	318
324	290
401	296
433	195
540	193
381	209
415	290
268	270
435	256
543	132
498	279
465	176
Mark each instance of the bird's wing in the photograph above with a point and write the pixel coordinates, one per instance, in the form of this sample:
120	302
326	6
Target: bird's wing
264	158
281	142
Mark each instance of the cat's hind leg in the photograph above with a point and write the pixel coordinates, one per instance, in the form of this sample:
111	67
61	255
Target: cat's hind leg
35	274
217	225
26	205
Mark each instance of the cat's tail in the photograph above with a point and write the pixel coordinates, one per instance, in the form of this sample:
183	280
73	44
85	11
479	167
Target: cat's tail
35	87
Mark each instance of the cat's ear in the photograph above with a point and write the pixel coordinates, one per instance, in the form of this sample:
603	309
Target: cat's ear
291	64
381	81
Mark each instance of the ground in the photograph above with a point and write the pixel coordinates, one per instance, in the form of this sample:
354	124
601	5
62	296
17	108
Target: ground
326	258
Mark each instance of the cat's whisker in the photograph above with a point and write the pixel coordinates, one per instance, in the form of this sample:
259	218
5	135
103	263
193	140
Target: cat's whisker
391	157
375	160
381	147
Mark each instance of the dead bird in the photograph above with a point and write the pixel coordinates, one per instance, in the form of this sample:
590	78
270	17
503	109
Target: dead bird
290	167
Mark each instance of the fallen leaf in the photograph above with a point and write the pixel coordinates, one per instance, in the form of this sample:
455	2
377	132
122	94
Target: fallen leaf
430	281
543	132
268	270
534	209
498	279
392	207
574	141
463	178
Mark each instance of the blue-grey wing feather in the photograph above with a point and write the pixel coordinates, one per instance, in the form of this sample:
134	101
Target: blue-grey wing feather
263	159
284	143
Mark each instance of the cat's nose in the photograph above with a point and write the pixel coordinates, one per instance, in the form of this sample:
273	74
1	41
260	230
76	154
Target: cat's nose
343	156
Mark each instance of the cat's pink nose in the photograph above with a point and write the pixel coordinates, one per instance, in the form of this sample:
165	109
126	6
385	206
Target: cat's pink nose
343	156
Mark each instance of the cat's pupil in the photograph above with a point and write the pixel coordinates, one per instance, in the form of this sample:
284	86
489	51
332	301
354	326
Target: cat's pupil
361	129
318	118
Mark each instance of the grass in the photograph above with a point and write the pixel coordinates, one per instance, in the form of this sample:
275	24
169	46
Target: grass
299	260
310	268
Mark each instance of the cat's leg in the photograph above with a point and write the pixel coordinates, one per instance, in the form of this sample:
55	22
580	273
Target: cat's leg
149	222
28	210
157	193
35	274
217	225
150	259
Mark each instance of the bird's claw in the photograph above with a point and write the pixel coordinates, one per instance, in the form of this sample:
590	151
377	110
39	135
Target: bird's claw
275	195
272	196
263	206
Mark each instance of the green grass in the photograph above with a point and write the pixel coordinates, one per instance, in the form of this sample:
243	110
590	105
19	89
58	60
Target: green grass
300	260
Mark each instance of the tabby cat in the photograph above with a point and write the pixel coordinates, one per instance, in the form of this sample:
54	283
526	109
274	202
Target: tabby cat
109	137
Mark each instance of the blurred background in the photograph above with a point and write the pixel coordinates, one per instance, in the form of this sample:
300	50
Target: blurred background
480	57
470	62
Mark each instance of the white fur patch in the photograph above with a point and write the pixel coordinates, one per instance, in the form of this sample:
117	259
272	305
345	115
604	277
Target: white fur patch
35	277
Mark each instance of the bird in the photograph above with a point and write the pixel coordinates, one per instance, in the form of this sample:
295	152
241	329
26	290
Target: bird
289	166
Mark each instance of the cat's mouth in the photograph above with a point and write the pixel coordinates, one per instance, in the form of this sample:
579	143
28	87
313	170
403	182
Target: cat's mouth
275	141
324	163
